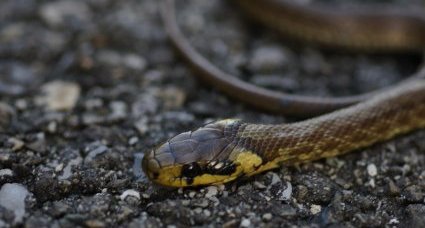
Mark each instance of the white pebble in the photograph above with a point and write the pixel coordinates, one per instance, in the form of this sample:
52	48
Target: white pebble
245	222
192	194
17	143
133	140
267	216
59	167
275	179
130	192
12	197
372	170
134	61
6	172
68	168
394	221
211	191
372	183
198	210
207	213
52	127
287	193
56	13
60	95
314	209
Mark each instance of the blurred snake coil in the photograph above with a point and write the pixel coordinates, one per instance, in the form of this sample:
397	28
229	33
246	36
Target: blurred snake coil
226	150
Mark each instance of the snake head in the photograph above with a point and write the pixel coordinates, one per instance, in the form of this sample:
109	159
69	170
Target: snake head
199	157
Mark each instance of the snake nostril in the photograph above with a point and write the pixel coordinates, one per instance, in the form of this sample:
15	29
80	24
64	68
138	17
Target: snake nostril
154	175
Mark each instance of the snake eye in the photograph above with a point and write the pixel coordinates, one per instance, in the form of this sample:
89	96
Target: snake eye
191	170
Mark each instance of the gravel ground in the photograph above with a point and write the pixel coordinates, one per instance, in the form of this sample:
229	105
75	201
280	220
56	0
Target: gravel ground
86	87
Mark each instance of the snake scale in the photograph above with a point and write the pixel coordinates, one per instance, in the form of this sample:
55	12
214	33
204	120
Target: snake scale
225	150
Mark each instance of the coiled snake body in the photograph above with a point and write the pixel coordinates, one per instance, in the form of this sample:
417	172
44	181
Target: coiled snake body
225	150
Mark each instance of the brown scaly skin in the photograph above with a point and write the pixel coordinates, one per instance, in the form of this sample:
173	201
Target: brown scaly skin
225	150
381	28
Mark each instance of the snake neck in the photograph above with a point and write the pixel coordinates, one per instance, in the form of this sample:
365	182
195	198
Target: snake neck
387	115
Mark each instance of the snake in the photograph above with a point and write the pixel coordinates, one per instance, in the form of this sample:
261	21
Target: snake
229	149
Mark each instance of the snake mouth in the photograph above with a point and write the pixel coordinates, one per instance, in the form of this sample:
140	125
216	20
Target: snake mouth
193	174
201	173
161	171
190	174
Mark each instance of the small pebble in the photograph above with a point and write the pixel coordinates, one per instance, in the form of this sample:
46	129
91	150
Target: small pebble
266	59
192	194
286	210
393	188
6	113
59	167
131	193
203	203
57	13
16	78
245	222
207	213
60	95
372	183
6	172
414	194
393	221
67	170
185	202
275	179
259	185
286	194
315	209
17	143
267	217
21	104
52	127
119	110
142	125
211	191
94	149
12	197
108	57
92	104
172	97
416	213
372	170
134	62
133	140
93	223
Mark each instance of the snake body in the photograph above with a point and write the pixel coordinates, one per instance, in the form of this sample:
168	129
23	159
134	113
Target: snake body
376	28
225	150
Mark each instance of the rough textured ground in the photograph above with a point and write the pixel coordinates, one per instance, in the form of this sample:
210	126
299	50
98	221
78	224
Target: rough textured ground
87	86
